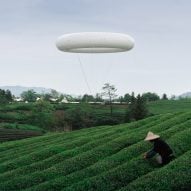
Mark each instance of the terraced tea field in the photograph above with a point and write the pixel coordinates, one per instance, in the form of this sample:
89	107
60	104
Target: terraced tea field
101	158
16	134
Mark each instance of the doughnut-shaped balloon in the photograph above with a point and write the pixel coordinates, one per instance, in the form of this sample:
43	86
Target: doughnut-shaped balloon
95	42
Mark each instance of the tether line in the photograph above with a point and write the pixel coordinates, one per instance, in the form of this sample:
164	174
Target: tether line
83	73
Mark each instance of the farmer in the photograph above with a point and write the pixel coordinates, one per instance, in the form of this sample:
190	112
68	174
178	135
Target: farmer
161	149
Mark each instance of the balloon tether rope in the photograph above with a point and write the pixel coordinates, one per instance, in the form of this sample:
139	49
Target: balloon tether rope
84	74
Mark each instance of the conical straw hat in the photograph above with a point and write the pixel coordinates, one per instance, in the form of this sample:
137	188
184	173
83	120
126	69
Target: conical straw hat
151	136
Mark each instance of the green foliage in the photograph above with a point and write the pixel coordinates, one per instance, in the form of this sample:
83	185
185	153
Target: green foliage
150	96
87	98
127	98
5	96
101	158
166	106
10	134
164	97
16	107
91	115
12	117
42	115
19	126
175	176
140	111
29	96
47	97
79	117
137	109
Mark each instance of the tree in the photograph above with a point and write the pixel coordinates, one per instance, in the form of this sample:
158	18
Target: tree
164	97
130	112
79	117
8	95
42	114
29	95
5	96
59	120
98	98
109	91
150	96
127	98
137	108
47	97
87	98
54	94
140	108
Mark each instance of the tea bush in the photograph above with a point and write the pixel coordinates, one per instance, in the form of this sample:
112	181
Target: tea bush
101	158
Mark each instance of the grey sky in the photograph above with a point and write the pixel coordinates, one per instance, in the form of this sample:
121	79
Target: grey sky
159	62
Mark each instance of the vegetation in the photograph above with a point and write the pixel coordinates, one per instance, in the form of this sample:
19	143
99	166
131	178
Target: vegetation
19	126
5	96
169	106
60	116
29	96
42	115
7	134
100	158
150	96
109	91
136	109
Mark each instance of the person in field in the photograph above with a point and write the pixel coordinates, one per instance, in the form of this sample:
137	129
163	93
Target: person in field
161	149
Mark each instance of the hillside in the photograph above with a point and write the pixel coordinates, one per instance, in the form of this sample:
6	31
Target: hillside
101	158
185	95
7	134
169	106
14	122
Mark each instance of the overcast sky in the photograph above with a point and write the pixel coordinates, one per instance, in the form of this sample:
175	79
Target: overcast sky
160	61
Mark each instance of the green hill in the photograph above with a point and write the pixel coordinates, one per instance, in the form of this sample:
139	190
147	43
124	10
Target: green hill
101	158
169	106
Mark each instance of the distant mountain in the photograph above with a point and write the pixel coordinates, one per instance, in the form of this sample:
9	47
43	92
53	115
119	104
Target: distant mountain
17	90
185	95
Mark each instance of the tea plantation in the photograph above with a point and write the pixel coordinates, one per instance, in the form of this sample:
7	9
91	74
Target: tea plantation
101	158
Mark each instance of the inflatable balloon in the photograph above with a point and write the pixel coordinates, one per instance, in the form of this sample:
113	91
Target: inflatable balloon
95	42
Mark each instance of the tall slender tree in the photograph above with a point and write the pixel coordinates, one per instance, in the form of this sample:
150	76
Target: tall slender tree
109	91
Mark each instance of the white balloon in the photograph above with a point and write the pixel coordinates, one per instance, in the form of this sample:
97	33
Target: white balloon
95	42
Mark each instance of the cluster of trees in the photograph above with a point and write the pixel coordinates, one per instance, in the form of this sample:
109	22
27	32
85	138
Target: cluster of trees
107	95
148	96
5	96
31	96
107	89
137	108
44	115
83	116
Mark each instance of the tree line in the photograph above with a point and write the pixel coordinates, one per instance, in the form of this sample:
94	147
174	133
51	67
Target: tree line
48	116
108	95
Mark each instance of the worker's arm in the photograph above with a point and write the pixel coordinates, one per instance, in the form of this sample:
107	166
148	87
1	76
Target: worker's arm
150	154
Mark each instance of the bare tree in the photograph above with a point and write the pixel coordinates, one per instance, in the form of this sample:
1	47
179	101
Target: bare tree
109	91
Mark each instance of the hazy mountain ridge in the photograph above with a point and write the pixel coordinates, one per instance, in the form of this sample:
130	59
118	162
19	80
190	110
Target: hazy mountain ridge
185	95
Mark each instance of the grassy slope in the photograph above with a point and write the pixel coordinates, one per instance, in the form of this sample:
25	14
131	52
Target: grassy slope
171	106
13	122
101	158
19	126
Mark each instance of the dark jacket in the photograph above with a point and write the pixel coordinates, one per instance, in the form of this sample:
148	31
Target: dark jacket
163	149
